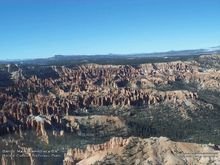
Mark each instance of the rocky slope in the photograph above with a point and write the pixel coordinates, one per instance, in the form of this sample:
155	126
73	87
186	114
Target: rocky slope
53	92
144	151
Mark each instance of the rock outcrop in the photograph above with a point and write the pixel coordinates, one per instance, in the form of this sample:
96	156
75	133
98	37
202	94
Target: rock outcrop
143	151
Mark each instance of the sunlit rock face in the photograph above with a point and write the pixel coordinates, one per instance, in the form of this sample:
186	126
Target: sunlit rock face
142	151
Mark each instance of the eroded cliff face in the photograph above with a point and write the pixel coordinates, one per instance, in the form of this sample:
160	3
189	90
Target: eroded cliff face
54	92
143	151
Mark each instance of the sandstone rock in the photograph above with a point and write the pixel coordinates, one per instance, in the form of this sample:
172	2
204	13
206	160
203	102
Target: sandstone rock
142	151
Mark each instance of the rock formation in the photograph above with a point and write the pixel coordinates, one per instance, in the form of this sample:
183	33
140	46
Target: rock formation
58	91
143	151
95	100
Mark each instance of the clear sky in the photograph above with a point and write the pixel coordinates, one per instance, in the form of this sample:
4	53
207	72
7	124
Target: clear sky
43	28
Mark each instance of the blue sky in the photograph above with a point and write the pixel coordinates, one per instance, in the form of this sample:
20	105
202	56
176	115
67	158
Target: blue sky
43	28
